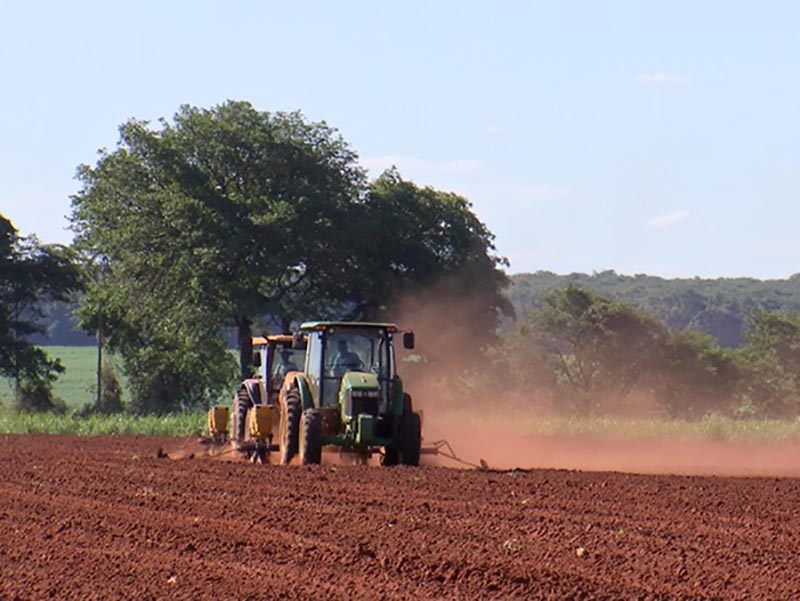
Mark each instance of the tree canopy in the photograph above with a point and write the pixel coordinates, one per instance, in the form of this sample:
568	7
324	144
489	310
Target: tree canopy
228	216
31	274
230	209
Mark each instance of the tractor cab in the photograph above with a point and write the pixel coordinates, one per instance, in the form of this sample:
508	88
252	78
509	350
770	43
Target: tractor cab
346	360
273	357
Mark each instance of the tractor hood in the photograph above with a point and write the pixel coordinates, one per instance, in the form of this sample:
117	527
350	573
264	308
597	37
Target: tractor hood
359	380
359	395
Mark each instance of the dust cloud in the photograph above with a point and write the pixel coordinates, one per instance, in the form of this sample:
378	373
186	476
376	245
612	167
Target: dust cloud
493	444
486	421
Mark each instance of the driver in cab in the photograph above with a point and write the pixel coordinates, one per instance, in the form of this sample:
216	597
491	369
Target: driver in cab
346	360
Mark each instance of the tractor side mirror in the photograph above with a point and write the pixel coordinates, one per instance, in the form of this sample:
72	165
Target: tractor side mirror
408	340
257	359
299	341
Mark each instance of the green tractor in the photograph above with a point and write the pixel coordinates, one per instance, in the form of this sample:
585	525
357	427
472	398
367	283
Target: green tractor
349	396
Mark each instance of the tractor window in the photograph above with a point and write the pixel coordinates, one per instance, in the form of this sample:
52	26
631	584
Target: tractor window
314	360
286	360
356	350
353	349
259	362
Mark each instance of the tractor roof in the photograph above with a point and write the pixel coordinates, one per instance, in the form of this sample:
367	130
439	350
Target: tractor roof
263	340
324	325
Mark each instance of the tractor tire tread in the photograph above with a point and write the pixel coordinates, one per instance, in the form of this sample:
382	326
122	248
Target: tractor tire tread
290	427
311	447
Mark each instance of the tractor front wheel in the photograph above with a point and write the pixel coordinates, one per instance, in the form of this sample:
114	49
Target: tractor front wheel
311	437
241	403
290	427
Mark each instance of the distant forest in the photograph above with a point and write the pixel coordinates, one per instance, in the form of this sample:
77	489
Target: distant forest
61	327
712	306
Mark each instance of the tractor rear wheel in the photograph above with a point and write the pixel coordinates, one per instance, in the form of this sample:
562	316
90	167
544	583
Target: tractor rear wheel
311	437
410	438
290	427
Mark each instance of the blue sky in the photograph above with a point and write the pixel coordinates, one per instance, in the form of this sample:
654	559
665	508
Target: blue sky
645	137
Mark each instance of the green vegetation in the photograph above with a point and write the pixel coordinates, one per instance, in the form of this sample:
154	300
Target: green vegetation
76	386
717	307
178	424
234	219
31	275
582	354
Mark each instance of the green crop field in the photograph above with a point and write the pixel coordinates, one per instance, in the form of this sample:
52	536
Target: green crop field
76	386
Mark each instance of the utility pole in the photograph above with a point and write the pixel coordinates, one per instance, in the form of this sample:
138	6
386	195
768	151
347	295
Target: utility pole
99	355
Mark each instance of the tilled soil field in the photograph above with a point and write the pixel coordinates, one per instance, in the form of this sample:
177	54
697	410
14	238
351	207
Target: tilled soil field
104	518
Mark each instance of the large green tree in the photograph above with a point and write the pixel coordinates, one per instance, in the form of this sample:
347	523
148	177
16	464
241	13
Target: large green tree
414	238
695	375
31	274
236	206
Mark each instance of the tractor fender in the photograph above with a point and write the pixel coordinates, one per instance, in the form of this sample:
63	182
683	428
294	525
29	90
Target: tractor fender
252	387
299	381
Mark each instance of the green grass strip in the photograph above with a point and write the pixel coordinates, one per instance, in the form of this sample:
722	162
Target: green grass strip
178	424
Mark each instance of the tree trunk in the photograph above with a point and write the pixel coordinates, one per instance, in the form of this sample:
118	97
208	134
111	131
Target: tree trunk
245	339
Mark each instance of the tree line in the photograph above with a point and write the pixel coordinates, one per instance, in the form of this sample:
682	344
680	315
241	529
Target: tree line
583	353
717	307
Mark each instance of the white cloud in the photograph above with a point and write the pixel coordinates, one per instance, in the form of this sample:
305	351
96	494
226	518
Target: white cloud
663	79
663	222
416	166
